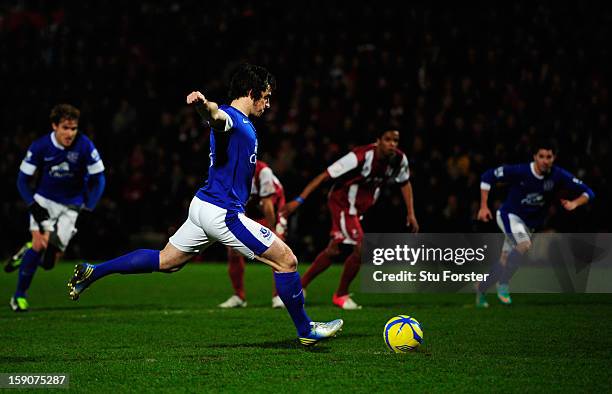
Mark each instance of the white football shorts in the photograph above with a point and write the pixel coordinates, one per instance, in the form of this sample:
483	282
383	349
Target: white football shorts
514	228
208	223
61	222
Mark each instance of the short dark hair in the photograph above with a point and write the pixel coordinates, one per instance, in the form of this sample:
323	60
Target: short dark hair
546	144
248	77
64	111
384	130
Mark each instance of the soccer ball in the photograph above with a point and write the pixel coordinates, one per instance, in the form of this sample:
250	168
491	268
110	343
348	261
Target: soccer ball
403	334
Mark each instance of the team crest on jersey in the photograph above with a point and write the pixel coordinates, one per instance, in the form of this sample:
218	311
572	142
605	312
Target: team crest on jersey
72	157
499	172
548	185
265	232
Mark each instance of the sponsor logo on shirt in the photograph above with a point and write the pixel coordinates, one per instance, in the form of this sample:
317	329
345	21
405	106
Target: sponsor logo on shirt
61	170
253	158
533	199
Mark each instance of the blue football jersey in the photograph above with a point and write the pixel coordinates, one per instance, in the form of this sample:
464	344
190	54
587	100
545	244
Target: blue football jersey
63	171
233	155
530	194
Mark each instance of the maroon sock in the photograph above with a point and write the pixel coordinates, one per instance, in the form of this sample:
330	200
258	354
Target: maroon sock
352	264
320	264
235	268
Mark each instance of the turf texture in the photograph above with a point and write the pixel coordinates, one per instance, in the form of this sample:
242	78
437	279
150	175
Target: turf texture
163	332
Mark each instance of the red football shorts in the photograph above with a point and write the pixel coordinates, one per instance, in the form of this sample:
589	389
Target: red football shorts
345	228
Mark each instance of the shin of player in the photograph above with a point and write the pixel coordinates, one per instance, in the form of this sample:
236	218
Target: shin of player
267	197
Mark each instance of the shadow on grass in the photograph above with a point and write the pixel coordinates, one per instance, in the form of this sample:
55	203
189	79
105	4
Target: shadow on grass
73	359
285	344
76	307
18	359
282	344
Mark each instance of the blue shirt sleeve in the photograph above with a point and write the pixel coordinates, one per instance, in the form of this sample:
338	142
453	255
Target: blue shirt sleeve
95	188
499	174
24	188
94	161
32	160
570	182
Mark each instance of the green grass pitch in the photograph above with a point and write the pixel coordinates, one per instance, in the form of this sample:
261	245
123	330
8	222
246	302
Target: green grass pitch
164	332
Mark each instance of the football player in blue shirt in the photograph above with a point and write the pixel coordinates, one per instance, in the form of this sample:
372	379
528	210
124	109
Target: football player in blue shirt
216	213
532	187
71	181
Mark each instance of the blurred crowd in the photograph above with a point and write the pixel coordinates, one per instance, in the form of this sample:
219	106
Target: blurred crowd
469	87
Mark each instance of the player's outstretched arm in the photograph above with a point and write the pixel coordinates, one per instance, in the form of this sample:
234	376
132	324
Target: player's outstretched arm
209	111
484	213
39	213
267	208
411	220
570	205
487	179
291	206
575	184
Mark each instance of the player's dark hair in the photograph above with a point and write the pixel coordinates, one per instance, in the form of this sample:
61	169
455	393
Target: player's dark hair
64	111
248	77
545	143
383	130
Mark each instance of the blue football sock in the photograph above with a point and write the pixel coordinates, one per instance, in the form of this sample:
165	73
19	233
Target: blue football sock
138	262
514	261
494	274
29	263
290	290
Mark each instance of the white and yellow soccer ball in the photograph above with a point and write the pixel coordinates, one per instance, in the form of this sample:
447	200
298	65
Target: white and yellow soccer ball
403	334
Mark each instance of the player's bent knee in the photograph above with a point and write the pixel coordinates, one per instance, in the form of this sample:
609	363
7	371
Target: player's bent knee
171	259
172	269
280	257
332	250
37	247
288	261
523	247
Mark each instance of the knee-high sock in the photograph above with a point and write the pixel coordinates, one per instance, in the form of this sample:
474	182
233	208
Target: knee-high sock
320	264
514	261
235	269
29	263
352	264
290	291
138	262
494	274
